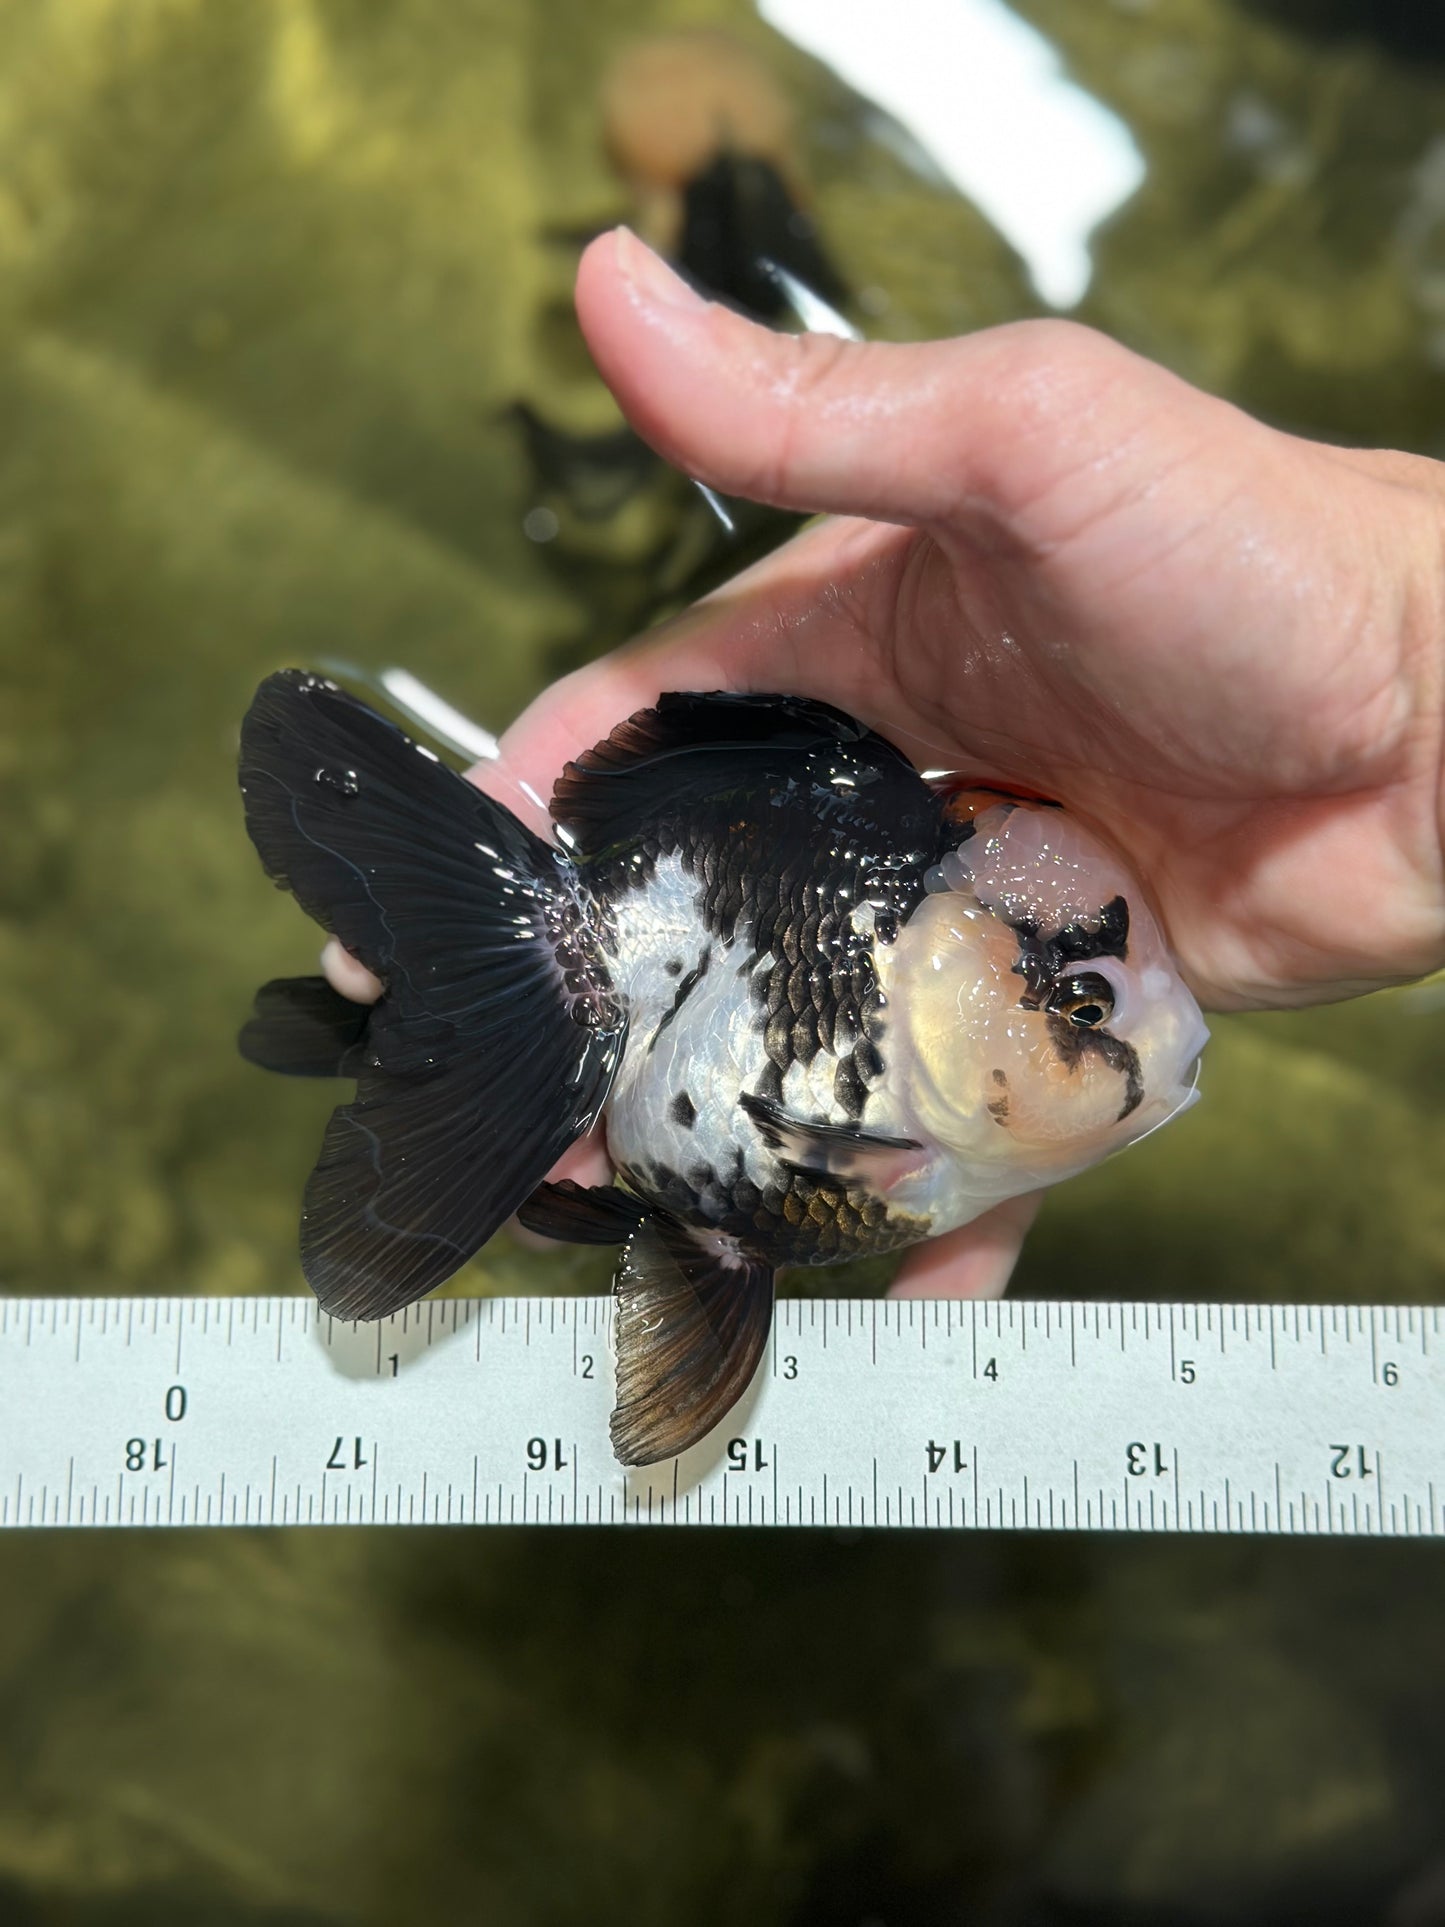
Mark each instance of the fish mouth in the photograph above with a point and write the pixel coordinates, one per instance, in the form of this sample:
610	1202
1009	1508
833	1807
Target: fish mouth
1186	1101
1191	1096
1194	1045
1195	1035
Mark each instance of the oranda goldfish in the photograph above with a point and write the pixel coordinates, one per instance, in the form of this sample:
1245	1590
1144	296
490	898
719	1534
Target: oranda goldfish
823	1007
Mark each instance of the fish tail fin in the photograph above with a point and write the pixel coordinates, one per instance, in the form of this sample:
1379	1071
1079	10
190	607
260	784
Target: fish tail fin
493	1045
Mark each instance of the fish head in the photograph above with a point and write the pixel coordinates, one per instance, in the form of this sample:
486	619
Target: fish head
1047	1025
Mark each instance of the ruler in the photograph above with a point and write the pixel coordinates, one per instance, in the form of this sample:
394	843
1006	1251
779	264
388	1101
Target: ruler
1079	1417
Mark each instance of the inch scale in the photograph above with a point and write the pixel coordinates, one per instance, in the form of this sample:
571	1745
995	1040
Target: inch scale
493	1411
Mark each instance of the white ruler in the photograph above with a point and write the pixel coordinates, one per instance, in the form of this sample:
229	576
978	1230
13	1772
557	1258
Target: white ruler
1116	1417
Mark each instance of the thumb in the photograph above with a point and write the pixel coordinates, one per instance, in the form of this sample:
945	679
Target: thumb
983	428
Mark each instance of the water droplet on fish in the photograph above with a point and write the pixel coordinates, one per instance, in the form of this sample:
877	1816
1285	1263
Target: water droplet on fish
344	781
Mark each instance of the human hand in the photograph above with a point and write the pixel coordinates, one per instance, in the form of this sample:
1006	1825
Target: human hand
1055	565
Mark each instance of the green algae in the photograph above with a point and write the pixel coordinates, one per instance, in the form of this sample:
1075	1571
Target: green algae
269	277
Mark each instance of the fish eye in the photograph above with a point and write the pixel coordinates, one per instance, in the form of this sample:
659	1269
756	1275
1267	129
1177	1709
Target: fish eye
1084	998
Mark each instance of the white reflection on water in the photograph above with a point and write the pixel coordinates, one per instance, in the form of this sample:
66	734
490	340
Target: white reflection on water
986	97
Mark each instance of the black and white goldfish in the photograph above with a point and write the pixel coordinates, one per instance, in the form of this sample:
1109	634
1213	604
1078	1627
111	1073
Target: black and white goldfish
824	1008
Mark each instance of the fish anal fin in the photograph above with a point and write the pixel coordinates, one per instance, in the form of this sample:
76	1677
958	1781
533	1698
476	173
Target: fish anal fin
693	1316
845	1151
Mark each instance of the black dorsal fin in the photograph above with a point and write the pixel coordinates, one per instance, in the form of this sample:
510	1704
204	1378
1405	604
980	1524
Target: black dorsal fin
691	748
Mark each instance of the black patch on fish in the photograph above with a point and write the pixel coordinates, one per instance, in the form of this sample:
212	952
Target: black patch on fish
1073	1043
684	990
821	1219
673	966
868	1060
683	1111
798	1218
1113	932
738	217
1042	960
724	748
849	1090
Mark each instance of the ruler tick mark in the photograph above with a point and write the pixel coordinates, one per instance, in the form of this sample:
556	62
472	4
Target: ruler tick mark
85	1364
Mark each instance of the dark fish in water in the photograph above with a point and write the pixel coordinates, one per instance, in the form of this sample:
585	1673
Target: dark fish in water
596	474
739	220
825	1009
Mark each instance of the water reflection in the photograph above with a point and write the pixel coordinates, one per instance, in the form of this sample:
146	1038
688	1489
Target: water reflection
988	103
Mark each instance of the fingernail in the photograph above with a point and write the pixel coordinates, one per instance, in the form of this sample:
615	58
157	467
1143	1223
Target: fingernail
650	275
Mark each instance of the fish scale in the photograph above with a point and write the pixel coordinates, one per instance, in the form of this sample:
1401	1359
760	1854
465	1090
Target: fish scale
738	890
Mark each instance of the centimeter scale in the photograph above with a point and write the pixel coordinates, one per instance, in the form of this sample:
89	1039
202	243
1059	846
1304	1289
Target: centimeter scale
1081	1417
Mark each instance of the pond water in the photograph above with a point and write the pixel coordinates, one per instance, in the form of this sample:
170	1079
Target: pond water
288	372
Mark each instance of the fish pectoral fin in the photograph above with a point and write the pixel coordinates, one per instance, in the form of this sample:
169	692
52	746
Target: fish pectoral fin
301	1027
693	1317
843	1151
598	1214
